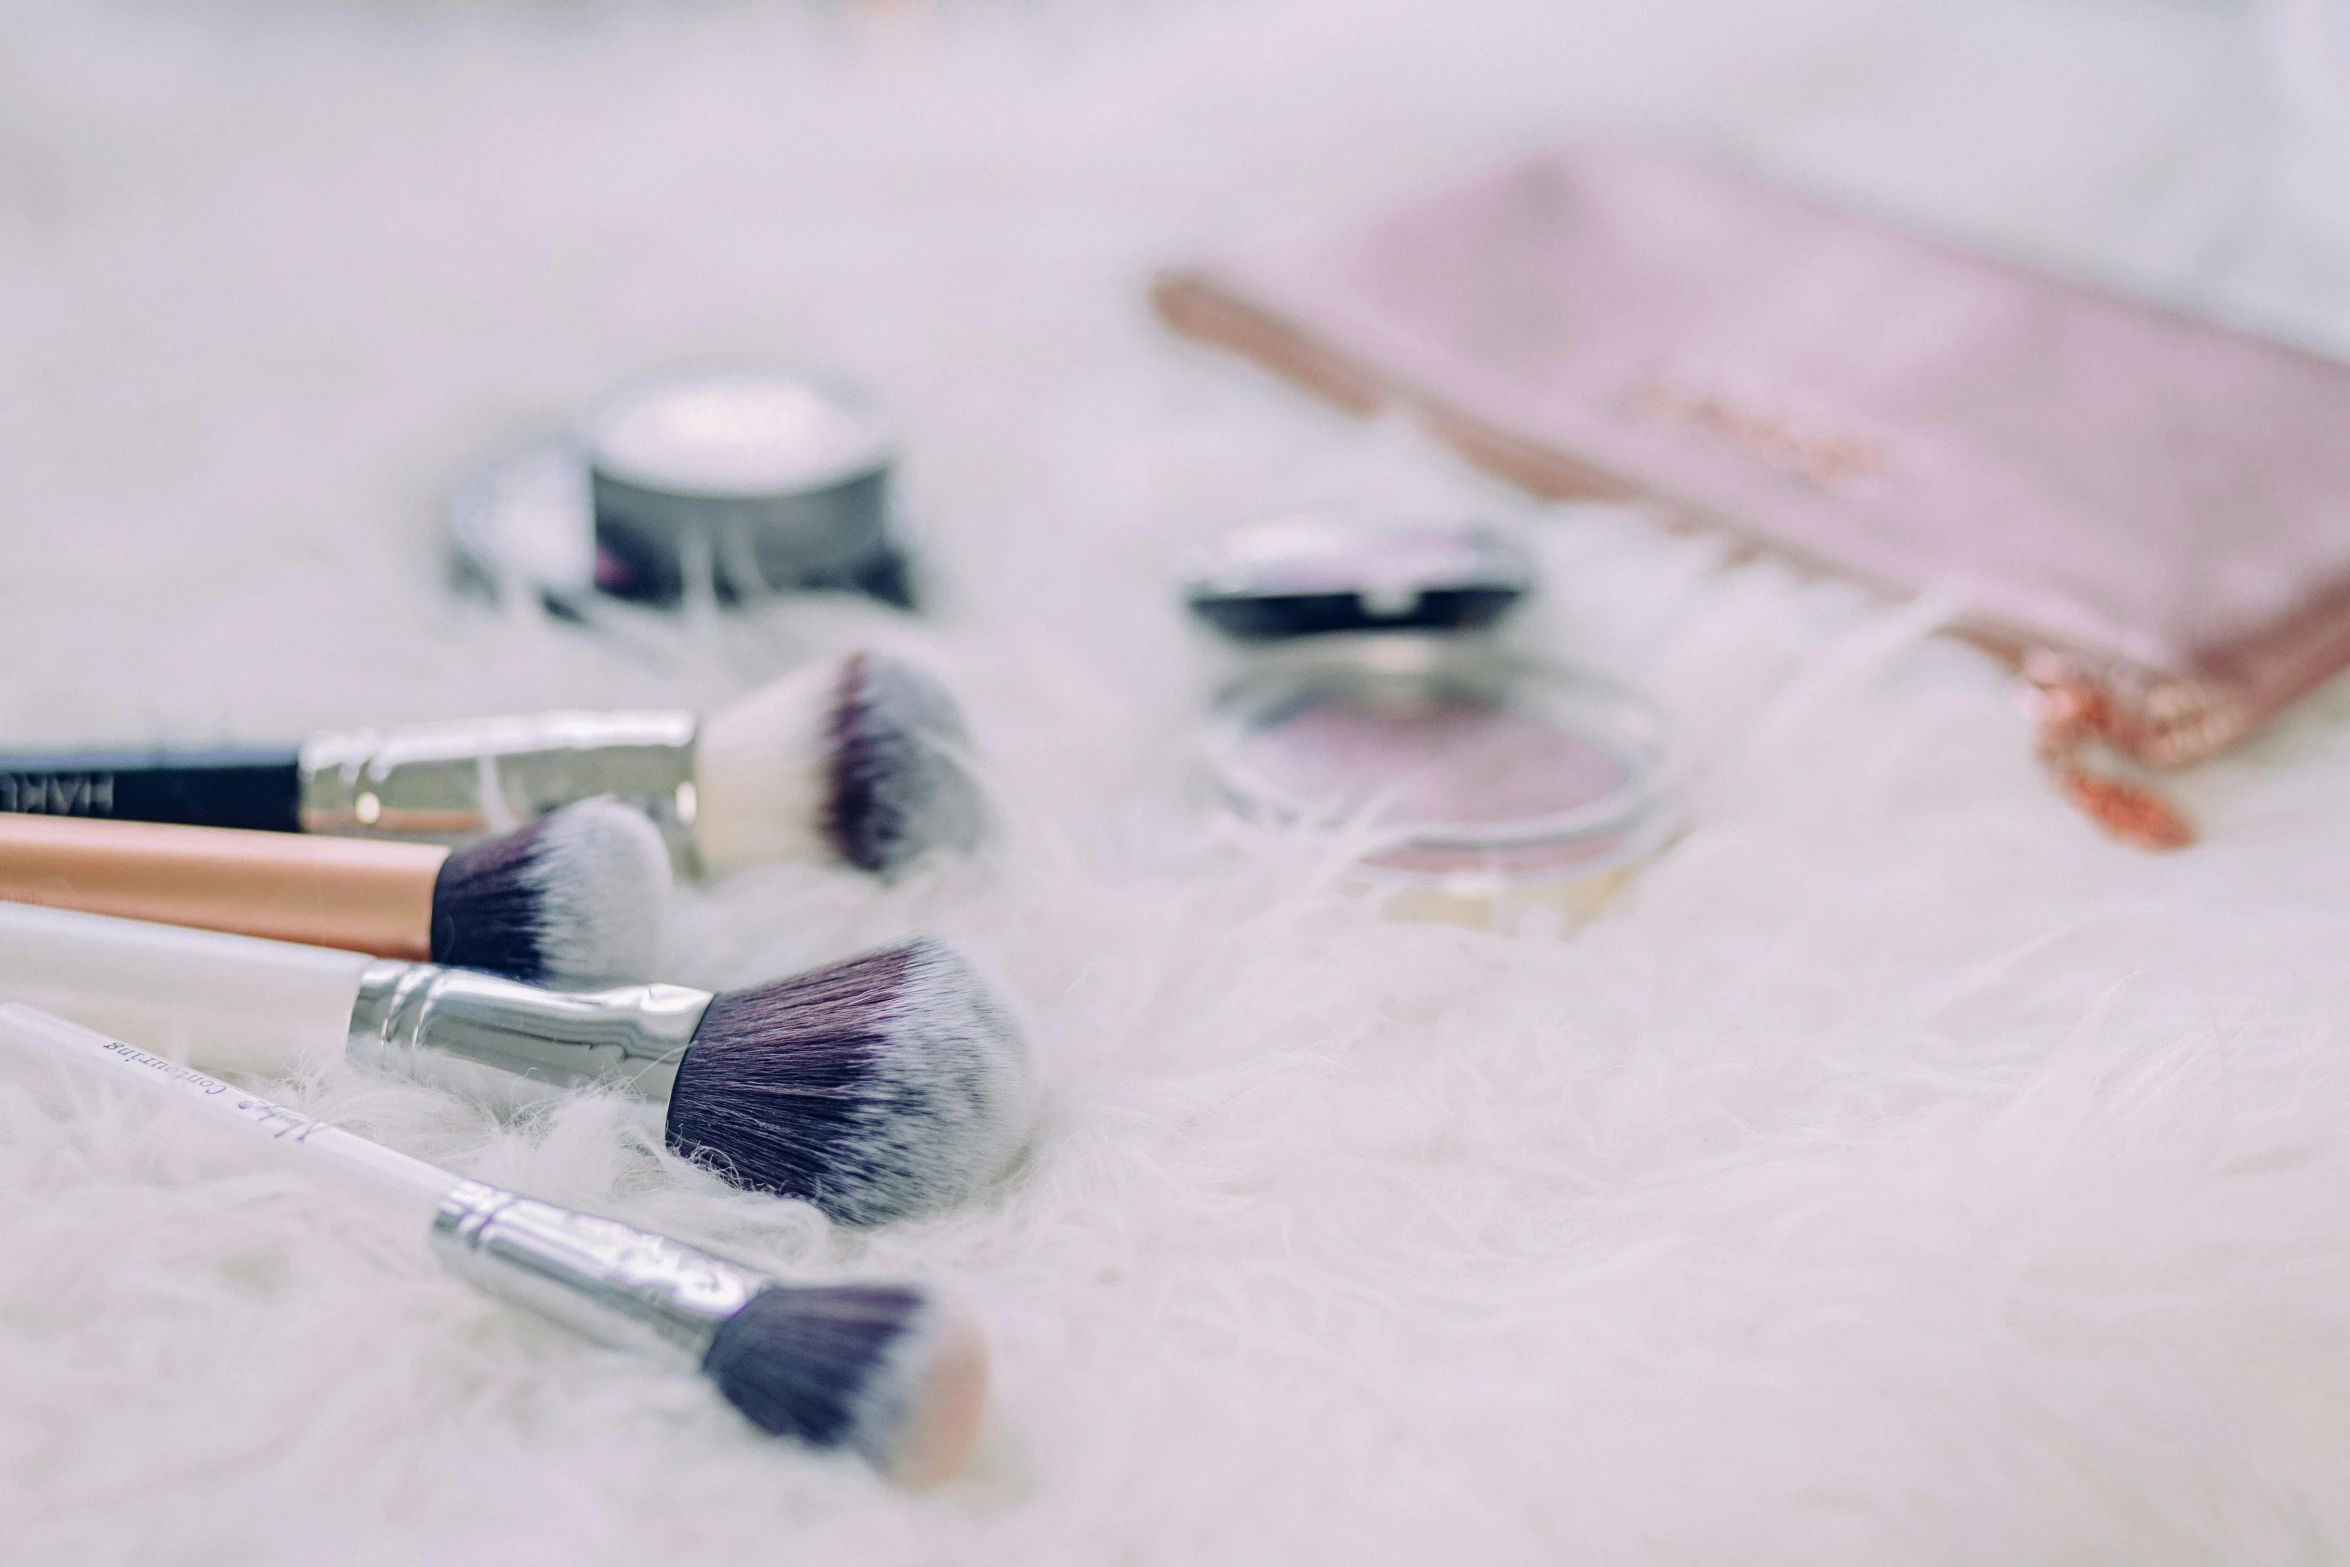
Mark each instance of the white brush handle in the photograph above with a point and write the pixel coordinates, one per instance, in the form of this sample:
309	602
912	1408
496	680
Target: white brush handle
622	1285
81	1049
237	1003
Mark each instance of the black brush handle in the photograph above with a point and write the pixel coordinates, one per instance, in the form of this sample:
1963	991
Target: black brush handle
259	788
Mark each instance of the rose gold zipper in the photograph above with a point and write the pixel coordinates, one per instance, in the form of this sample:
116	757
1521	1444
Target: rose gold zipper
2070	712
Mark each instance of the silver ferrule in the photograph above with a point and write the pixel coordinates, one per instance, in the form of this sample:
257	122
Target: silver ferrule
630	1037
623	1286
472	776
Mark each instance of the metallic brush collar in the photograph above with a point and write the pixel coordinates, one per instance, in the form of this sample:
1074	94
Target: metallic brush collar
631	1037
622	1286
486	775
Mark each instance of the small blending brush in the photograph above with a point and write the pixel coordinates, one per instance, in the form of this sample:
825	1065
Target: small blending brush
884	1370
863	759
876	1087
577	897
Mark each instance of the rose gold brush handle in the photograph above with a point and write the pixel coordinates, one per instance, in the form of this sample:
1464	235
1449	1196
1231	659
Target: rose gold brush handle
362	895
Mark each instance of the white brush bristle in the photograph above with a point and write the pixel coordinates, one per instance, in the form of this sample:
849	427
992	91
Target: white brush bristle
862	759
603	878
763	773
890	1083
961	1053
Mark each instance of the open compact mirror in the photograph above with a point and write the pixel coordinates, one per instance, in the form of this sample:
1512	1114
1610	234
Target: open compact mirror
1375	702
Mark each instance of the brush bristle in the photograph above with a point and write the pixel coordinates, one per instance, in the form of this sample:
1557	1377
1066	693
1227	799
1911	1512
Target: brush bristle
877	1369
881	1086
579	897
902	783
865	759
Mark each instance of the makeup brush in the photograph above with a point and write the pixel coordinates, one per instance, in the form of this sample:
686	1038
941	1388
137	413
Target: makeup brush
883	1370
577	897
879	1086
862	759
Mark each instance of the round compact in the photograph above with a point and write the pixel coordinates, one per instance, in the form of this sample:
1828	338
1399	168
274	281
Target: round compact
1376	703
1466	772
521	523
743	483
1312	573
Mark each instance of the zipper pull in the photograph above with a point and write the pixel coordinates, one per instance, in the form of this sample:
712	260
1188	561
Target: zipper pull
2069	711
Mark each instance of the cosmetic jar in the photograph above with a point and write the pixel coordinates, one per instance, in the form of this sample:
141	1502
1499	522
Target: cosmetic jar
1374	699
731	485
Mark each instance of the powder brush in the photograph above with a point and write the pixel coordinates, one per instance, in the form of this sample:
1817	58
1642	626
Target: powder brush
882	1085
863	759
577	897
883	1370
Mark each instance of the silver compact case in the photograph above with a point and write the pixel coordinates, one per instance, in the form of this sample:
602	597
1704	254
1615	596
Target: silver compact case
1316	573
732	484
1376	701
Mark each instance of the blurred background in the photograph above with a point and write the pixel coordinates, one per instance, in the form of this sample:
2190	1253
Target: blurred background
273	275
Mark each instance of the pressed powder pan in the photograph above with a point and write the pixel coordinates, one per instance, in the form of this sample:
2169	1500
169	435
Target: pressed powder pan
1468	772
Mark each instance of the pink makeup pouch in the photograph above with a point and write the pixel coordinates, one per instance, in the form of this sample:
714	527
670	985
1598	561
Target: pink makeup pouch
2148	513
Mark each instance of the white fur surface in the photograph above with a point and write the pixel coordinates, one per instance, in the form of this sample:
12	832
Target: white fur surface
1900	1173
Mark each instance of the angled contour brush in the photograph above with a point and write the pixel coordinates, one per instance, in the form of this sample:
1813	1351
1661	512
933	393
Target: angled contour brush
883	1370
578	897
862	759
879	1086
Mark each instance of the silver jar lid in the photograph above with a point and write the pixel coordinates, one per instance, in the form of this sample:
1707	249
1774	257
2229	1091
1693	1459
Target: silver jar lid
749	481
1322	572
1450	765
